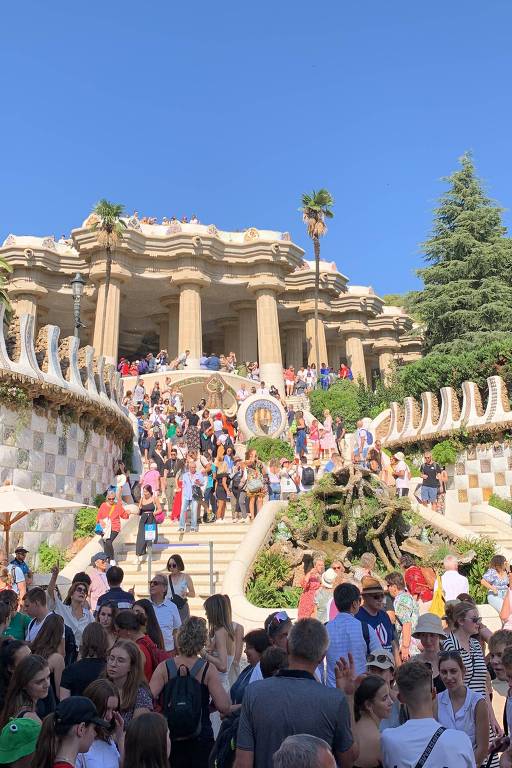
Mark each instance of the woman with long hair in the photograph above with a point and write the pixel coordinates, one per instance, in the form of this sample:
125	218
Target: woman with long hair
239	631
221	487
30	682
11	654
91	664
18	624
180	585
372	704
131	625
107	749
49	644
149	504
461	708
74	609
66	733
311	582
125	670
106	617
220	650
191	640
148	744
144	607
255	485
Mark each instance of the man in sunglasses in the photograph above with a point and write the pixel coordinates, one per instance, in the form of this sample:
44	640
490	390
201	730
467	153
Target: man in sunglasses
277	626
373	614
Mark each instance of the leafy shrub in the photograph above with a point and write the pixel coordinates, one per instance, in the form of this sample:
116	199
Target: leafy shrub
270	448
85	522
504	504
445	452
267	588
99	499
48	556
303	515
341	399
485	550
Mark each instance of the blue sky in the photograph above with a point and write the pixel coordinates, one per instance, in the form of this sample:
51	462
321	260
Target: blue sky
231	110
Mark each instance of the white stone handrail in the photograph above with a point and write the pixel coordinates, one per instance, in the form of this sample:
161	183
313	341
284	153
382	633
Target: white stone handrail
237	572
438	417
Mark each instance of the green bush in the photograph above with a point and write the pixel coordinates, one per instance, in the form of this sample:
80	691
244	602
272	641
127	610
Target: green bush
85	522
270	448
99	499
341	399
485	550
50	555
504	504
445	452
266	587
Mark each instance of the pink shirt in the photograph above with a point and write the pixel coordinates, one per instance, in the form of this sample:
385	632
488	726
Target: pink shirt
152	478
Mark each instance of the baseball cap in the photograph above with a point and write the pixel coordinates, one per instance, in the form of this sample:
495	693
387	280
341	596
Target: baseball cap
78	709
382	659
18	739
98	556
20	549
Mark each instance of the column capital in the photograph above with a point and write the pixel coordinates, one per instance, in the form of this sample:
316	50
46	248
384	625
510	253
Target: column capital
225	322
239	306
170	301
190	277
118	273
307	309
292	325
266	284
25	289
385	344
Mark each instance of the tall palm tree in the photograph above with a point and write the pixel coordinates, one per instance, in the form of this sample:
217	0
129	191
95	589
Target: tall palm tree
110	227
316	208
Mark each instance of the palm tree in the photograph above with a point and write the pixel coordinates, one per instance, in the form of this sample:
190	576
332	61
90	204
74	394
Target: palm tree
316	208
110	227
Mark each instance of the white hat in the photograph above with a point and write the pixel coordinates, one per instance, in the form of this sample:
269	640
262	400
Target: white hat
400	456
328	578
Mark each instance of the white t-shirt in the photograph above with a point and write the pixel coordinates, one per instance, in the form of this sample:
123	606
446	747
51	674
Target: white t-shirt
402	482
168	618
454	584
17	576
241	395
402	747
102	754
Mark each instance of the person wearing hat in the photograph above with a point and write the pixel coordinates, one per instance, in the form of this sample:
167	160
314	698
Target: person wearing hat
401	474
324	595
18	741
68	731
99	583
18	570
429	631
373	614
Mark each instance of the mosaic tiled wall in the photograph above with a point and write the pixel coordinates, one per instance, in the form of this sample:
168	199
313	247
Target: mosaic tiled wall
57	459
481	471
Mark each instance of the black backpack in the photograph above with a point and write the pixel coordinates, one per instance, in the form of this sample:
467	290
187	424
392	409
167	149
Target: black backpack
224	749
236	480
308	476
183	700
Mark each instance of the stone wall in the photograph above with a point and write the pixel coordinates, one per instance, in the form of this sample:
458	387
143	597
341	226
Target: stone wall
482	470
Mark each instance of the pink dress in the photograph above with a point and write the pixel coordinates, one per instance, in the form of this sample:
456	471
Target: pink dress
327	440
310	585
314	436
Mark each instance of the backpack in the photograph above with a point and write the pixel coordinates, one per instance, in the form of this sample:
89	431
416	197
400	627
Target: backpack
183	700
224	749
308	476
236	480
369	437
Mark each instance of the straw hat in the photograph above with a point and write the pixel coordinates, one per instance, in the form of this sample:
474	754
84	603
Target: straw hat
399	456
371	586
430	624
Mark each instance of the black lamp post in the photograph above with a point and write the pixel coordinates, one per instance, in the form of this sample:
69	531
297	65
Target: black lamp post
77	284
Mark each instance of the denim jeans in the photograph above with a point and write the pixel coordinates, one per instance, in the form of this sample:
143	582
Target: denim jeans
188	504
274	492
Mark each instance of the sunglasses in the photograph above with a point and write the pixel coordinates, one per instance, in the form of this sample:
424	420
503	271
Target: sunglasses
156	583
380	658
81	590
377	597
172	565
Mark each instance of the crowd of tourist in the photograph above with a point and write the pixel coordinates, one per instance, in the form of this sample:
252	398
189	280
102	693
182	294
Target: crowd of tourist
366	677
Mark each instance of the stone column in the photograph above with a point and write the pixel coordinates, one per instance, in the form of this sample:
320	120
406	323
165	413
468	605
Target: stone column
190	330
355	355
163	335
26	304
311	340
269	341
109	334
294	344
25	296
334	353
248	338
231	338
386	358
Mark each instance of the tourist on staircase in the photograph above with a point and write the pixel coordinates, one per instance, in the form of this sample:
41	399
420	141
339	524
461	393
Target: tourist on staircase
108	521
166	612
181	586
150	514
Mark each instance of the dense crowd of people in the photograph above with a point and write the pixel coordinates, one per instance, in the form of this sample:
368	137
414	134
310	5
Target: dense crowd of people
367	676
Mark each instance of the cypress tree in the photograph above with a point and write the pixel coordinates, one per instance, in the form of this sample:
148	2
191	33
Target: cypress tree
467	294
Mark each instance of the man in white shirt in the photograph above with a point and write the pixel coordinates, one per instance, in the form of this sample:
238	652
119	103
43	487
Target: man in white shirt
242	393
453	582
421	737
262	390
35	607
167	614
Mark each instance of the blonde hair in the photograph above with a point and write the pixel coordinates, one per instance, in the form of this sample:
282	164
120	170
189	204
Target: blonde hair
218	613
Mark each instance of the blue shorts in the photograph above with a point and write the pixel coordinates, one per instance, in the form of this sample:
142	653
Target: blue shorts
428	493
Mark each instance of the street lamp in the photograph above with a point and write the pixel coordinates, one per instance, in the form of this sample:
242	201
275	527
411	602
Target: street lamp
77	284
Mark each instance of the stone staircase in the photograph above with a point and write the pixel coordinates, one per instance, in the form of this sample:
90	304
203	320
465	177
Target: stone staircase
484	524
298	402
225	537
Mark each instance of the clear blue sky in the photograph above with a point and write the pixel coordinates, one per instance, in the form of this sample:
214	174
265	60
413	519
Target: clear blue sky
232	109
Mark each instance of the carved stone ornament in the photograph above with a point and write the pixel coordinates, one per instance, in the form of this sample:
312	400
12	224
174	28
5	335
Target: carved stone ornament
286	236
251	234
9	240
49	242
212	230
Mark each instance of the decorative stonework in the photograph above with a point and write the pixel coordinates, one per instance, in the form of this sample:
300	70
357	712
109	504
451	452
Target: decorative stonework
212	230
251	234
261	417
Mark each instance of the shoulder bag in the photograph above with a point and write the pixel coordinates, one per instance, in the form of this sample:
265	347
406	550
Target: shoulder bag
430	746
179	601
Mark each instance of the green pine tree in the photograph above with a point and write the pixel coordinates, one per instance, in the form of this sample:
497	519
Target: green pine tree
467	298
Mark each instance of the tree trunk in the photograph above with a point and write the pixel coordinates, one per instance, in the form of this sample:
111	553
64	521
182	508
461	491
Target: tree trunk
108	272
316	247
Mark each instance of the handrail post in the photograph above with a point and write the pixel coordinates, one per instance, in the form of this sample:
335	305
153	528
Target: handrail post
212	587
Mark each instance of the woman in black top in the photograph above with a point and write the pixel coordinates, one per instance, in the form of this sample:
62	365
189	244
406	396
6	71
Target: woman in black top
192	431
93	656
148	505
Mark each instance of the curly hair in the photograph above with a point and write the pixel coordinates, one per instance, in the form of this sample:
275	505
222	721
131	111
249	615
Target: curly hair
192	636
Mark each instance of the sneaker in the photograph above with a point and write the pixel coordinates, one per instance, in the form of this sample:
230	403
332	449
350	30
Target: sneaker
193	530
243	520
181	530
